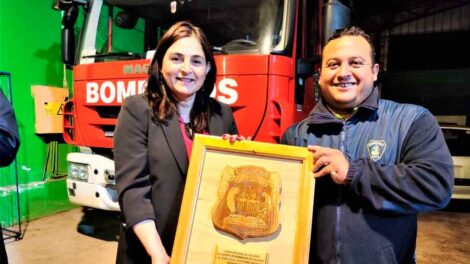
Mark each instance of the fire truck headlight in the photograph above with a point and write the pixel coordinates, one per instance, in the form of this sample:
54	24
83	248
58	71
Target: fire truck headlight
78	171
83	173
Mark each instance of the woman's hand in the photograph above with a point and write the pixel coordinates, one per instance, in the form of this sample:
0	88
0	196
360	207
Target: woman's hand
147	233
233	138
161	258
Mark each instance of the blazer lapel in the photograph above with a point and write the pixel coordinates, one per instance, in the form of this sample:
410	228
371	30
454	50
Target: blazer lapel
175	141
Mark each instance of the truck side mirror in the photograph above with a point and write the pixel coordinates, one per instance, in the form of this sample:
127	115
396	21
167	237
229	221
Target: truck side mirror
68	46
68	35
305	69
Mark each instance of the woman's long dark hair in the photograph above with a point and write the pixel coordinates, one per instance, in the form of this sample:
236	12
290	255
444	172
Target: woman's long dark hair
161	100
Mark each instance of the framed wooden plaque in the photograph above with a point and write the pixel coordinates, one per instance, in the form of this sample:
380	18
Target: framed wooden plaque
245	202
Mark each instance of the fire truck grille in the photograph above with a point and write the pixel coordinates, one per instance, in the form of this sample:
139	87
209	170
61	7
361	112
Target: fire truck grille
108	111
69	133
108	131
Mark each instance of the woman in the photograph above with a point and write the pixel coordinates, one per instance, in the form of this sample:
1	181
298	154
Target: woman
153	140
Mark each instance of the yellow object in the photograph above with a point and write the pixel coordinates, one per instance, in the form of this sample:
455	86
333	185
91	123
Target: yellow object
53	108
196	236
48	103
239	256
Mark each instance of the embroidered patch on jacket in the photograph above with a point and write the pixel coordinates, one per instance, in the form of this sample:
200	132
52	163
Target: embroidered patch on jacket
376	149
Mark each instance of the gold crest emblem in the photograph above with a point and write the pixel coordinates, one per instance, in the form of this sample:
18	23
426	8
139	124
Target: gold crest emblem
248	202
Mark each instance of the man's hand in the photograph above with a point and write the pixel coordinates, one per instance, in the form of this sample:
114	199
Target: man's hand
328	161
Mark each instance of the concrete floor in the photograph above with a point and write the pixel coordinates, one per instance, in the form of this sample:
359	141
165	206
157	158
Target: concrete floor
55	239
443	237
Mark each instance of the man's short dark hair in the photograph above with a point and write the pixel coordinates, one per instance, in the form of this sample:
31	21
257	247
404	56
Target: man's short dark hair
354	31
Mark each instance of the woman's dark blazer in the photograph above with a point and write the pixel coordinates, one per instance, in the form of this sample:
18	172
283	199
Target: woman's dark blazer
151	164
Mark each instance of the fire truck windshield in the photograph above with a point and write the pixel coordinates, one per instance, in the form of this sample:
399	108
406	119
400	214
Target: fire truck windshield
233	27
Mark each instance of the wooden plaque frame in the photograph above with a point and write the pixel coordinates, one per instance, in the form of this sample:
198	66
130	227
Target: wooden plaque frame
198	241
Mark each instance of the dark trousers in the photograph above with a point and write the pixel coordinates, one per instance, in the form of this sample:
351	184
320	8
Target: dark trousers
3	253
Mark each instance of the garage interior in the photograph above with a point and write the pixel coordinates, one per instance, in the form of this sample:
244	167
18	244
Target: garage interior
422	47
88	236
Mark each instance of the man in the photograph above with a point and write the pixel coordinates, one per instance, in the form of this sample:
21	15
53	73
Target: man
9	143
377	163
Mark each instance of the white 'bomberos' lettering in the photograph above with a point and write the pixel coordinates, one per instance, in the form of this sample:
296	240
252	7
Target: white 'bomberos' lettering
226	88
123	91
92	92
108	92
141	86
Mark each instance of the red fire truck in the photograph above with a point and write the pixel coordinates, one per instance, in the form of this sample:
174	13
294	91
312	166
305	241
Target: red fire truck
265	54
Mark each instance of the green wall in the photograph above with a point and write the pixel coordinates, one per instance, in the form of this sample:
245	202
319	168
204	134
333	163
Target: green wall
30	50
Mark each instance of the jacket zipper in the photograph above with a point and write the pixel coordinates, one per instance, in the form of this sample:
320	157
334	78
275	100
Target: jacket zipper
340	194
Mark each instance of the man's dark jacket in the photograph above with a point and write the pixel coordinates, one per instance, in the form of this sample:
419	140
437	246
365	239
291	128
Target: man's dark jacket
399	165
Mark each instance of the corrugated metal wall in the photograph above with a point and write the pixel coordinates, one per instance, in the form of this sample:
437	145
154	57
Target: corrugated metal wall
409	22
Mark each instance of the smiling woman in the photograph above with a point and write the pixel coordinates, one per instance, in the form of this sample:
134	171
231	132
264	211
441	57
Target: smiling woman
184	68
153	141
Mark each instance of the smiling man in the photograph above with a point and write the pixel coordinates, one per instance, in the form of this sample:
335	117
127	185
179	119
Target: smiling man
377	163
